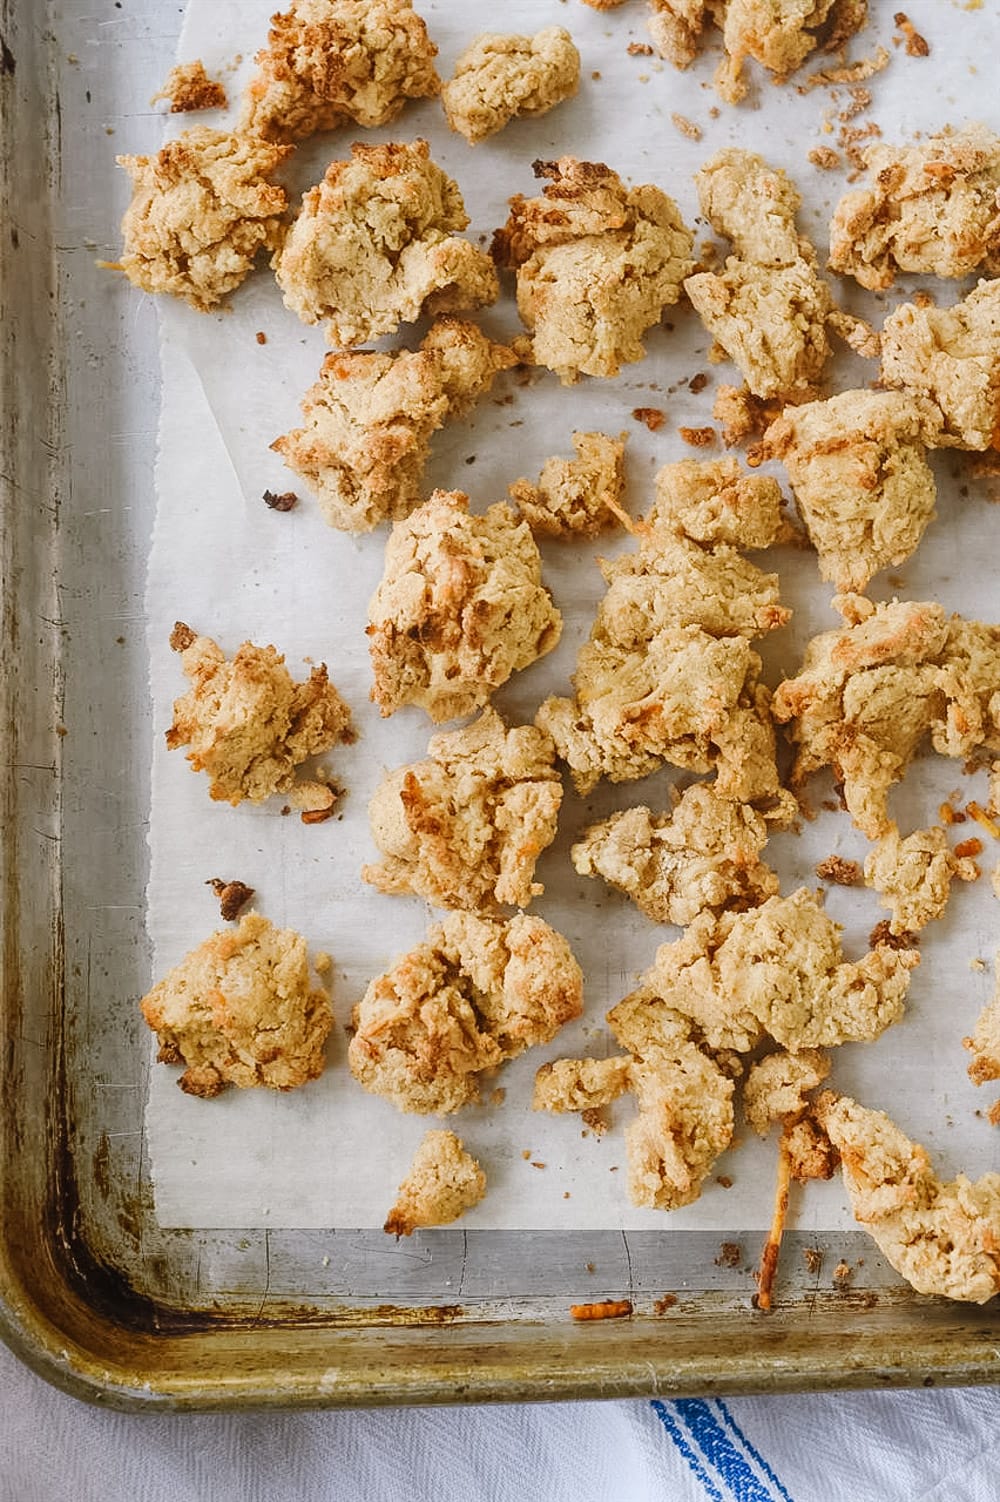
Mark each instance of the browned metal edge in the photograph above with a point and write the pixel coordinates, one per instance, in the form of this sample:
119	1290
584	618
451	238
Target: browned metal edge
72	1316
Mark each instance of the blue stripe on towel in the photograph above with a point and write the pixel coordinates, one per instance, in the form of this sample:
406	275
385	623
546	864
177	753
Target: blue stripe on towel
752	1451
722	1455
672	1427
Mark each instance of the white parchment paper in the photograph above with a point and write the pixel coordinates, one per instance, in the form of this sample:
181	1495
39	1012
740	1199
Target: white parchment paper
329	1154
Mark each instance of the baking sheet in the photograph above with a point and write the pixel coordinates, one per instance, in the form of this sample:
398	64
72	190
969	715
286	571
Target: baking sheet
329	1154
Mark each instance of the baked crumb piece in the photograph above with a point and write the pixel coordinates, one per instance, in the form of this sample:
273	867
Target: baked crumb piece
677	27
241	1010
328	62
377	243
930	209
742	414
249	725
465	827
858	468
778	971
916	45
984	1044
499	77
370	417
461	606
579	497
843	873
869	692
444	1181
944	1238
776	1087
768	309
825	158
913	876
714	502
705	854
951	356
808	1149
188	88
476	992
583	1085
596	265
686	127
201	209
234	895
676	617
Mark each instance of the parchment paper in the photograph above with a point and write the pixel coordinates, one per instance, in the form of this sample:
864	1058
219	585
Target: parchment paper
330	1154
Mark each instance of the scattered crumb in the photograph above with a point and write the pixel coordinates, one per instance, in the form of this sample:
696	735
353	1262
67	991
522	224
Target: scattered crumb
977	964
845	873
866	67
535	1164
724	1181
526	1153
608	1309
189	88
639	49
698	438
668	1301
653	417
286	501
813	1258
882	934
971	847
232	896
686	127
698	382
916	45
730	1254
981	817
825	158
590	1267
842	1275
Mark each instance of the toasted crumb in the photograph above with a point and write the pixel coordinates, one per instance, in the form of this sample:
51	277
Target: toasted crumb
498	78
990	825
865	67
460	607
609	1309
916	45
261	338
250	725
652	417
370	417
464	828
234	895
377	243
476	992
687	127
776	1086
813	1258
698	438
845	873
942	1237
241	1010
443	1182
597	264
742	414
188	88
882	934
286	501
842	1275
825	158
579	497
929	209
724	1181
202	208
328	62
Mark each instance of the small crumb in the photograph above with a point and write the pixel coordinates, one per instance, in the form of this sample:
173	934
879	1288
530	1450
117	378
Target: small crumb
947	815
61	731
498	1096
825	158
639	49
686	127
595	75
566	1194
668	1301
188	88
653	417
843	872
993	1114
831	805
322	961
284	502
526	1153
535	1164
730	1254
977	964
924	299
590	1267
698	438
316	815
724	1181
326	1262
260	336
613	1168
883	934
842	1275
982	817
595	1120
813	1258
916	45
971	847
698	382
714	112
232	895
607	1309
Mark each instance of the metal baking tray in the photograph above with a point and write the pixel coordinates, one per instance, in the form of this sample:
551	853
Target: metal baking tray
95	1295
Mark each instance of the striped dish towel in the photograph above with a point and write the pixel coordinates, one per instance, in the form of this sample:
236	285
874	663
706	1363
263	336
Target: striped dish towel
923	1446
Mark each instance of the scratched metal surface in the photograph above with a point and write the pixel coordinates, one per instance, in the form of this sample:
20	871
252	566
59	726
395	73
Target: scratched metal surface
79	437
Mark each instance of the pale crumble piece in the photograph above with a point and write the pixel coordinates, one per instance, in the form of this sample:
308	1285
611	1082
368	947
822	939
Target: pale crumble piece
951	356
241	1010
743	415
778	971
810	1153
188	88
370	417
376	243
931	209
465	827
705	854
668	674
859	473
201	209
579	497
715	501
477	992
869	693
913	876
684	1123
596	265
461	607
777	1086
767	309
328	62
444	1181
500	77
984	1044
677	27
581	1084
250	725
944	1238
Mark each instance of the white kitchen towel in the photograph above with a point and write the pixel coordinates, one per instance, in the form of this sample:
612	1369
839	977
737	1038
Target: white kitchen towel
923	1446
